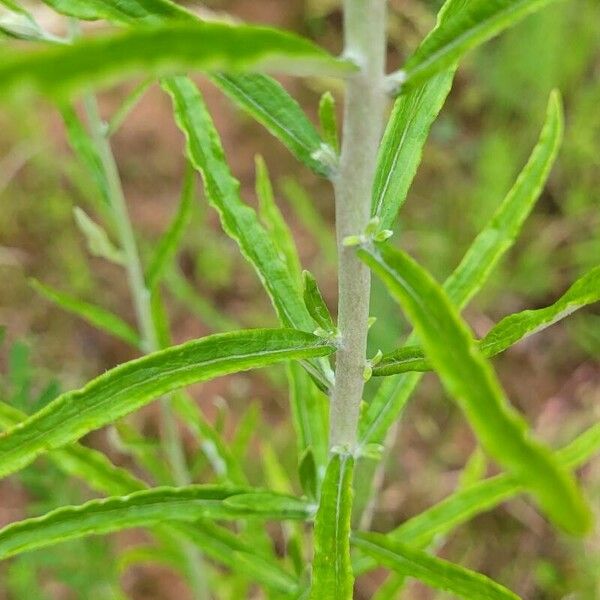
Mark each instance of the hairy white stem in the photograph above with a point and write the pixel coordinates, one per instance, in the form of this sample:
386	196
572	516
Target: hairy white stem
365	43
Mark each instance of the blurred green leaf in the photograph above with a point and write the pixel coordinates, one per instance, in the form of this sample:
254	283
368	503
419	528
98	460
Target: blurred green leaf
309	408
223	462
95	315
97	240
468	377
128	11
274	222
170	241
431	570
60	70
307	471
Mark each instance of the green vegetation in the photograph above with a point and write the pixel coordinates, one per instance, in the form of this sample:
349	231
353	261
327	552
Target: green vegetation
223	506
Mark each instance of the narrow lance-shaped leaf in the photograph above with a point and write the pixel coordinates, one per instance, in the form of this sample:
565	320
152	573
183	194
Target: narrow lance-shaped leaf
125	11
127	387
470	25
433	571
169	242
328	120
402	145
59	70
307	472
87	464
86	151
500	233
309	408
97	240
238	219
266	101
144	508
273	220
95	315
332	577
316	304
470	380
474	270
129	103
467	503
508	331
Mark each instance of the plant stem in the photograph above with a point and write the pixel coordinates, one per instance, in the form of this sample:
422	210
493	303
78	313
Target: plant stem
365	43
172	445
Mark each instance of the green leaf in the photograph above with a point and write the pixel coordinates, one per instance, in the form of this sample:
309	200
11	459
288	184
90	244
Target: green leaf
402	145
274	222
433	571
97	240
214	541
266	101
332	577
508	331
483	255
123	11
171	239
144	508
316	304
269	506
238	219
328	120
212	443
14	6
470	380
309	408
227	548
85	149
263	98
95	315
513	328
307	471
130	386
125	108
501	232
484	495
464	26
78	461
62	69
21	26
305	208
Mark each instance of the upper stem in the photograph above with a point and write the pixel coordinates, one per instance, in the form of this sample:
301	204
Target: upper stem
365	43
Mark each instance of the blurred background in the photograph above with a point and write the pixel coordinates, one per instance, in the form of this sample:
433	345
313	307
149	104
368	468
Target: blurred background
476	149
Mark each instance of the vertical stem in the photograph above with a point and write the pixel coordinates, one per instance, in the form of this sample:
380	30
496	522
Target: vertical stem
172	445
365	43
